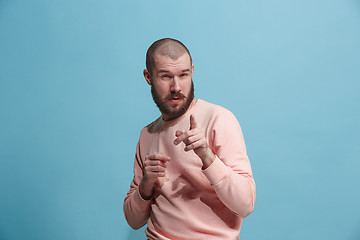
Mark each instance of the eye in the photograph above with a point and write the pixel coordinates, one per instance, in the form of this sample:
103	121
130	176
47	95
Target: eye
184	75
165	76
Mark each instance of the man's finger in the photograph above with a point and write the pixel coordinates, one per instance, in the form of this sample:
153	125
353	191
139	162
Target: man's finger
193	145
155	163
158	156
156	169
192	122
178	133
184	136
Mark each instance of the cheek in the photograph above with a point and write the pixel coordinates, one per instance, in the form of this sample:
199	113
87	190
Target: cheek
187	86
161	88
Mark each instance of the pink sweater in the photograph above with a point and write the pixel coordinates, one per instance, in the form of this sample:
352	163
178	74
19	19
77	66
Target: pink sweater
191	203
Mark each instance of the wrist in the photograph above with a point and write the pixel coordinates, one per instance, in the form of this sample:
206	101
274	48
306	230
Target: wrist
145	189
208	159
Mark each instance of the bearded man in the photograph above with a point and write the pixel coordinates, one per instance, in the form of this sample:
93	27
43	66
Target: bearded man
192	176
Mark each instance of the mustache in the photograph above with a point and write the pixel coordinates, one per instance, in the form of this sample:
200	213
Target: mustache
177	95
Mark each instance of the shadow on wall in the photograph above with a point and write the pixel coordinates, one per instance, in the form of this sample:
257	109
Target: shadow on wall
355	236
137	234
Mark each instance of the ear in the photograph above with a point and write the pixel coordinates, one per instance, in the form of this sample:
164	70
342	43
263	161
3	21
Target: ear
147	76
192	70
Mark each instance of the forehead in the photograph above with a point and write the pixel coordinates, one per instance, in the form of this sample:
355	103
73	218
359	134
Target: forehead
162	62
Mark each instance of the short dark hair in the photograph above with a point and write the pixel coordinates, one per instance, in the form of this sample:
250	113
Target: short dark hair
168	47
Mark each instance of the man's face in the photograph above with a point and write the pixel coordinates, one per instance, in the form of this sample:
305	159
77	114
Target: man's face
171	85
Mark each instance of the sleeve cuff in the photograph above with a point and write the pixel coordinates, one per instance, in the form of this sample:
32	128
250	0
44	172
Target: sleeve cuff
216	172
142	204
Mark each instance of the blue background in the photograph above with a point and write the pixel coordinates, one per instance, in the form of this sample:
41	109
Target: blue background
73	101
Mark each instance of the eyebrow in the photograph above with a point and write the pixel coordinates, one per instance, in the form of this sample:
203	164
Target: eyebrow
165	71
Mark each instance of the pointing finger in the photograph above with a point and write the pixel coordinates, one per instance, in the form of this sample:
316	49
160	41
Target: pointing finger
192	122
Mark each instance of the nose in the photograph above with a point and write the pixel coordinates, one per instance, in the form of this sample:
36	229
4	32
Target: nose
175	85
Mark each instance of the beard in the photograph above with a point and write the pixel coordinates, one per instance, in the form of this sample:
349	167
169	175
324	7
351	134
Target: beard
168	110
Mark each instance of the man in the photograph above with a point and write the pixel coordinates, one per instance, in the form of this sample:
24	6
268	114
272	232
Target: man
192	177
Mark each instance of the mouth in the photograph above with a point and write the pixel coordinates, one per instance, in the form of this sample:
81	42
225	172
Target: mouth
175	99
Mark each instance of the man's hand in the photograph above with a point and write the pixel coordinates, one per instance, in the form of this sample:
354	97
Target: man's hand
155	165
195	140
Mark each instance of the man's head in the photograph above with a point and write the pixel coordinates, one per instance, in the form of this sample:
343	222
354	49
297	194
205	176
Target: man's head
168	47
169	72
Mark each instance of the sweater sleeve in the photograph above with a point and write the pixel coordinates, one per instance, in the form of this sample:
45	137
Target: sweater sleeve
136	209
230	174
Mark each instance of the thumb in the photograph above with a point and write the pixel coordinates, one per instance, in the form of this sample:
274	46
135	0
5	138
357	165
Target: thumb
192	122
